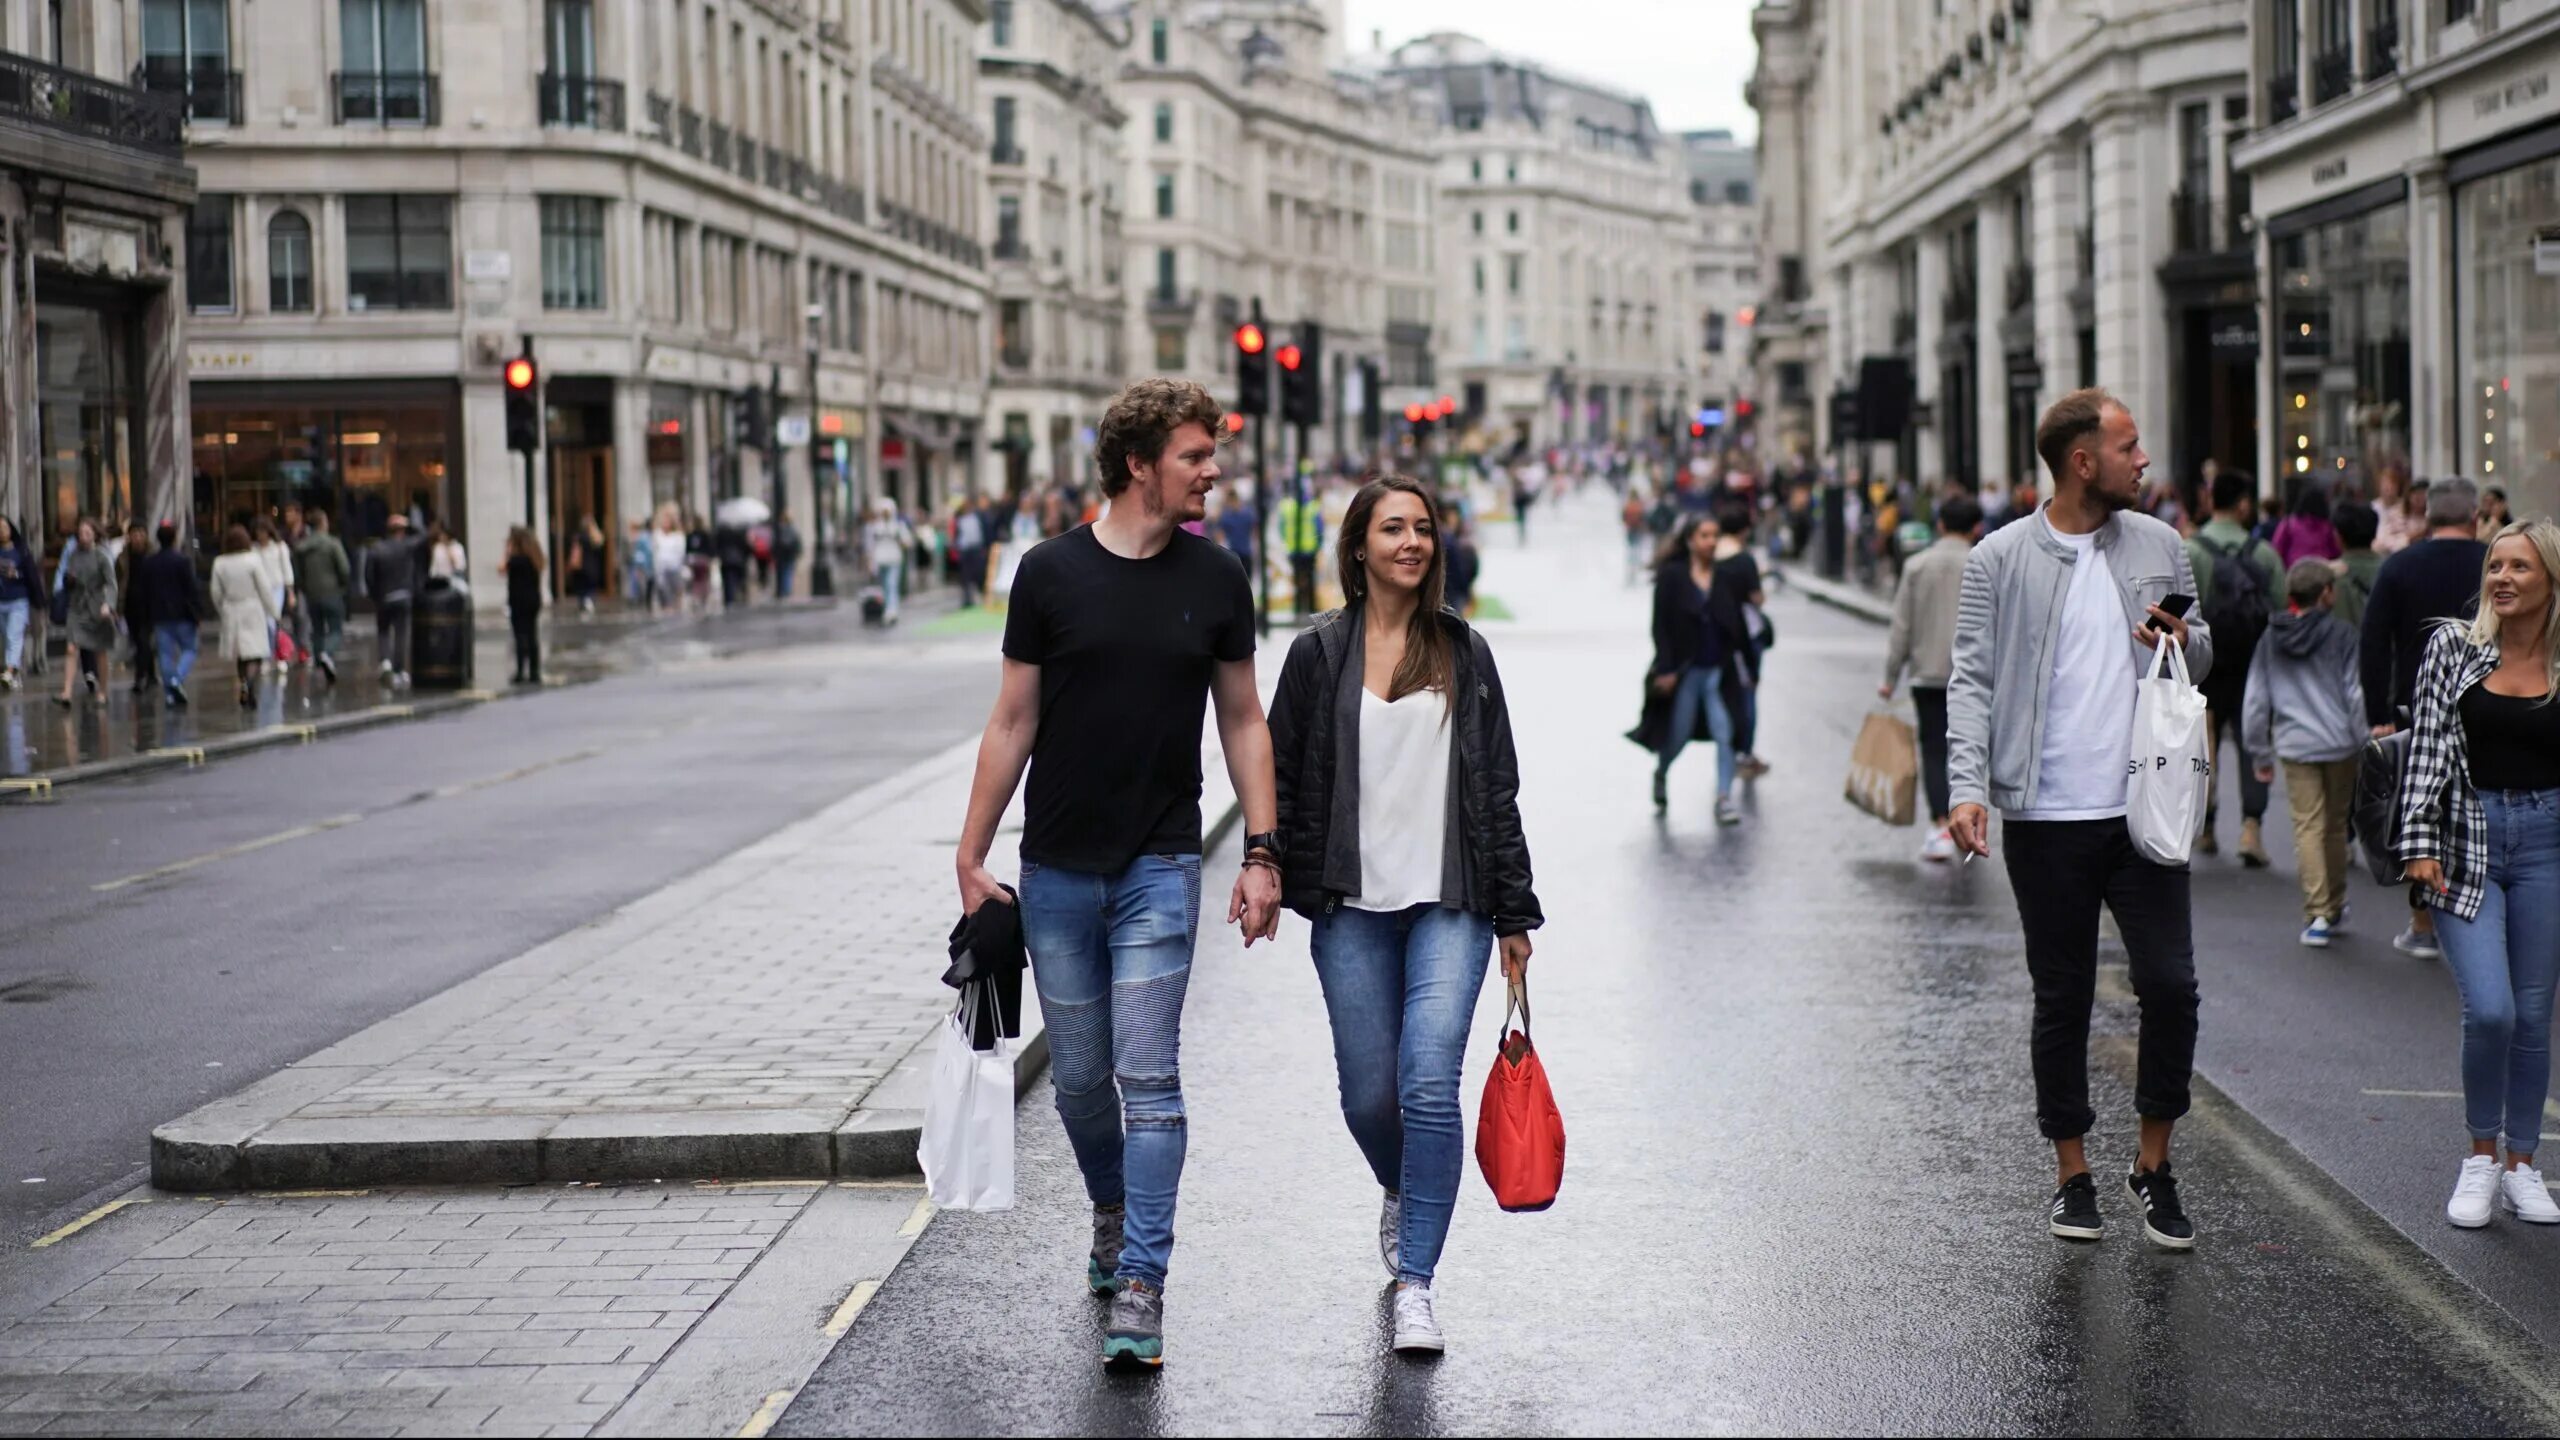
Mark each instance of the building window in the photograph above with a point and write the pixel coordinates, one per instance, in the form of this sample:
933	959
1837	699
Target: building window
1006	151
1171	351
288	262
399	252
1164	274
1000	16
1511	221
1008	227
1479	274
1164	120
1013	333
572	252
186	50
385	44
1475	168
1159	45
2509	391
1512	265
1164	197
209	255
1475	222
2342	346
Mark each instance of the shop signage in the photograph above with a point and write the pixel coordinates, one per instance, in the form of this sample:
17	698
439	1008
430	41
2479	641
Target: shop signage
893	451
2515	94
2329	170
2235	335
488	265
791	430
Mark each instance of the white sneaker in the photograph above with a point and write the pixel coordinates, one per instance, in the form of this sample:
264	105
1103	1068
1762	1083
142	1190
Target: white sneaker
1390	1227
2316	934
2475	1193
1417	1327
1941	848
2523	1195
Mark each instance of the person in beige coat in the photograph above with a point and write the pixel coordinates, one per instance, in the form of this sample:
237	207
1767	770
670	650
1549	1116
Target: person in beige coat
1924	643
244	597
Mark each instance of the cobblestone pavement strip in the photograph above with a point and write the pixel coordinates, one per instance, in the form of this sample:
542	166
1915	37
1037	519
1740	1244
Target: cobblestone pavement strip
536	1310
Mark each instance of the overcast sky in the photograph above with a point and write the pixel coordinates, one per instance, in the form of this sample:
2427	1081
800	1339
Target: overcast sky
1689	57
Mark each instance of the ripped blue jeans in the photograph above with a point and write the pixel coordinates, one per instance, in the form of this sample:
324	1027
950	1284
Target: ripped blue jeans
1111	958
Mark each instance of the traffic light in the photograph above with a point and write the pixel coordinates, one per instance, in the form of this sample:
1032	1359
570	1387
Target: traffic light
1302	377
1253	371
748	418
524	405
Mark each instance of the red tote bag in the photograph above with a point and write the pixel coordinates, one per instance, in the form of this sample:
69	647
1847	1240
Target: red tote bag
1519	1134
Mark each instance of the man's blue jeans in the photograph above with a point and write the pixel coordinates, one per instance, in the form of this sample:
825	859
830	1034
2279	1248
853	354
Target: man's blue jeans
1702	688
176	642
1111	957
2505	964
1400	988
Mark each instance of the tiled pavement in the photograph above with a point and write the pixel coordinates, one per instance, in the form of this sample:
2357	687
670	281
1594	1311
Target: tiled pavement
516	1311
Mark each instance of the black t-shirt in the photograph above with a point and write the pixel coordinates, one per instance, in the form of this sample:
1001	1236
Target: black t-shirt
1126	649
2513	742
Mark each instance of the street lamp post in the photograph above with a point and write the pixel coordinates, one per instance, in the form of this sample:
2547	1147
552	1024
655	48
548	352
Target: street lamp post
822	571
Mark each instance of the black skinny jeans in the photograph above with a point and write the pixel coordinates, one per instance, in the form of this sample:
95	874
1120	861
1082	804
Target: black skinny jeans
527	624
1931	702
2062	870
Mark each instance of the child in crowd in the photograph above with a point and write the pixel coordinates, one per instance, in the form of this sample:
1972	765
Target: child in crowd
2305	706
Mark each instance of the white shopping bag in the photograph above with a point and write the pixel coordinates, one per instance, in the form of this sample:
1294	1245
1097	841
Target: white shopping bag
2171	773
967	1145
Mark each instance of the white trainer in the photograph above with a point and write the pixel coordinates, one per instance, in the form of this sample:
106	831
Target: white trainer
1417	1326
2523	1195
1390	1229
2475	1193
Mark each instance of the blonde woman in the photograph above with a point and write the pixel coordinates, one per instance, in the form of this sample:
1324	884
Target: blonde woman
667	558
2480	835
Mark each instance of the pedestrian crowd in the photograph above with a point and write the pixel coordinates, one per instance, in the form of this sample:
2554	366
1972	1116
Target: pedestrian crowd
2394	658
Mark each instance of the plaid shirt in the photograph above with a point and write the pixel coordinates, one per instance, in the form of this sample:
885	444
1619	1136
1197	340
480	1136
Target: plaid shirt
2440	815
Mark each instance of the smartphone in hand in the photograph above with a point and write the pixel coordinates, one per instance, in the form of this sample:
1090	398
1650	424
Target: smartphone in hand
2177	607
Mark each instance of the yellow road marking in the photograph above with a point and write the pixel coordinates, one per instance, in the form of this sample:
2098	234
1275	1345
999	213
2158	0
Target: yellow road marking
34	785
741	1185
2416	1094
85	1221
761	1423
192	754
299	832
842	1320
309	1194
916	1222
879	1184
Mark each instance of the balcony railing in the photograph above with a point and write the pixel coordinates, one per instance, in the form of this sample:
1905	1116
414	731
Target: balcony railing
2332	75
773	167
1010	247
689	131
581	102
1166	303
1957	307
718	153
2382	46
384	97
206	93
68	100
746	152
2018	284
1006	153
2198	226
2284	96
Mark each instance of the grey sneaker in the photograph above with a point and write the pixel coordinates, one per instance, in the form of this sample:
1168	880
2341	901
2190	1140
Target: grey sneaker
1135	1339
1390	1227
1417	1326
1104	1263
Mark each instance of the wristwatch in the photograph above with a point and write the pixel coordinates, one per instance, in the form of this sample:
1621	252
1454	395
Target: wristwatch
1268	841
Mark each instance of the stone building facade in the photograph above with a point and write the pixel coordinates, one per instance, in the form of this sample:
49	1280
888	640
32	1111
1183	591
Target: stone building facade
1724	281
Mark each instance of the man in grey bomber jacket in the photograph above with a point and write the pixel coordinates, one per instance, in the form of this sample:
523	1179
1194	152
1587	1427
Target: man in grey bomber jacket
2055	619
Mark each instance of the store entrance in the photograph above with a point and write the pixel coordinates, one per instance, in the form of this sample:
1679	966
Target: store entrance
582	487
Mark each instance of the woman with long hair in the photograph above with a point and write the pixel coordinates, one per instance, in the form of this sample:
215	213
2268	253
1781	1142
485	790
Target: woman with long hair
2494	514
245	600
2400	504
20	583
275	562
587	558
446	559
2480	836
1400	827
522	569
1690	653
2306	532
87	582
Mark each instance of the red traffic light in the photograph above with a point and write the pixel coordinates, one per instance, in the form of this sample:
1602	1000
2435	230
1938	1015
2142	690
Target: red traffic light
1290	357
1249	339
1448	407
1415	414
1235	423
1742	409
520	374
1697	429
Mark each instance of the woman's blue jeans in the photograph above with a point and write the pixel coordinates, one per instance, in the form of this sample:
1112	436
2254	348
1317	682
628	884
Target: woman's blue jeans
1702	688
1400	988
13	631
2505	962
1111	957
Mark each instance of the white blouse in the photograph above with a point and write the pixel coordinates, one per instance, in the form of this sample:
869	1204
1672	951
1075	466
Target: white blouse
1404	800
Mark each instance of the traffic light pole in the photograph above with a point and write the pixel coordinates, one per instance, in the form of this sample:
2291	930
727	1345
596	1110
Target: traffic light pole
1262	523
532	478
822	572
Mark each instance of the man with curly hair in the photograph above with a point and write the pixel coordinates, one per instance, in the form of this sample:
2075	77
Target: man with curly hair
1117	636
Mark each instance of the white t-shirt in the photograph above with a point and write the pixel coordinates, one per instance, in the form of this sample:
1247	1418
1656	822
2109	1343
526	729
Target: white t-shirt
2088	713
1404	800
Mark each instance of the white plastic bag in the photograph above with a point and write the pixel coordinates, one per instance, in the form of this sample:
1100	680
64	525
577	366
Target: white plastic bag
2170	776
967	1145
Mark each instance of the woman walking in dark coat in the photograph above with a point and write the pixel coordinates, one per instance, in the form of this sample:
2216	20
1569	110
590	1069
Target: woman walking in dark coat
523	568
89	582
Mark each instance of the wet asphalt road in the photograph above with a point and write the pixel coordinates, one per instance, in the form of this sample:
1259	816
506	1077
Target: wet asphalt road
1804	1191
453	844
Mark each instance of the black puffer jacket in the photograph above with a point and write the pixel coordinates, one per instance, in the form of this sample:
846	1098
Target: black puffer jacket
1316	760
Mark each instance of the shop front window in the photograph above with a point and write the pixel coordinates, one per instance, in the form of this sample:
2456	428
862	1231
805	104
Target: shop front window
359	463
2509	416
87	425
2342	348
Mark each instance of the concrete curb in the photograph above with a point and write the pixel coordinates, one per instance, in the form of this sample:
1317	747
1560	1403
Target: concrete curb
1846	599
188	756
251	1141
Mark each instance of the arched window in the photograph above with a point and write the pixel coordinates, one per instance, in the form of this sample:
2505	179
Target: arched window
288	262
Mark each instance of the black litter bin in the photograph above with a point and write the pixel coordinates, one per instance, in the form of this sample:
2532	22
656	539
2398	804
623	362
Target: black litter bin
440	648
